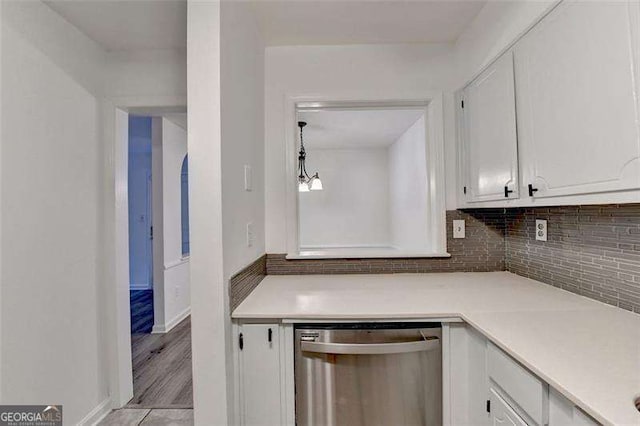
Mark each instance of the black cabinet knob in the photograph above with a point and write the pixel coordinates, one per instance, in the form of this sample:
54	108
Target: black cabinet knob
270	335
532	190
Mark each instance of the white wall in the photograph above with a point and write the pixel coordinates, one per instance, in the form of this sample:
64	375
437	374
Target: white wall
174	151
160	74
353	208
176	269
242	87
66	72
51	165
313	70
407	189
171	287
497	25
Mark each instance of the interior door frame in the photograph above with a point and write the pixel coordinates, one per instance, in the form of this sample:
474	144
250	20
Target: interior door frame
149	242
115	234
433	103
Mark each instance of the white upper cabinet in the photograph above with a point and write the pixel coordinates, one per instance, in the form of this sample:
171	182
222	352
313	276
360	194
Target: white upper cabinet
490	140
577	106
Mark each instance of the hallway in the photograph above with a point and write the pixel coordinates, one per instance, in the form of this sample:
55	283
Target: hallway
162	375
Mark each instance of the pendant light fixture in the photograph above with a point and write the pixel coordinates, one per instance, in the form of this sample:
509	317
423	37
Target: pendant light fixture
306	183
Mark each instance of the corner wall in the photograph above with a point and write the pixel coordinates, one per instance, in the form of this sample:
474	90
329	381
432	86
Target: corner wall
171	285
177	289
226	124
51	175
407	182
210	332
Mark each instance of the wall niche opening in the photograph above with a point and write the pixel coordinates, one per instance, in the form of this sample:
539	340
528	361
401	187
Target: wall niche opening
375	198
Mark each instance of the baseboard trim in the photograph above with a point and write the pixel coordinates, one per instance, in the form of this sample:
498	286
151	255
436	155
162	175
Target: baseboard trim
97	414
140	287
165	328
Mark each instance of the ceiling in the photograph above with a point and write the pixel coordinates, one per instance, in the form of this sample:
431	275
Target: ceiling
128	24
162	24
374	128
356	21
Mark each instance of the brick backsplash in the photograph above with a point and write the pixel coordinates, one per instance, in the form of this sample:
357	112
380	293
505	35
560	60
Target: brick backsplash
243	283
482	250
590	250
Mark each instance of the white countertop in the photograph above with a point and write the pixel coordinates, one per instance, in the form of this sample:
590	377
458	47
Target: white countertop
587	350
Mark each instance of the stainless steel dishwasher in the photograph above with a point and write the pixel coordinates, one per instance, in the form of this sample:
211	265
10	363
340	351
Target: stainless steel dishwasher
364	374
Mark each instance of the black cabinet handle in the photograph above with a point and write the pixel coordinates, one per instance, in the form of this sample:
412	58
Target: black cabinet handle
532	190
270	335
507	191
241	341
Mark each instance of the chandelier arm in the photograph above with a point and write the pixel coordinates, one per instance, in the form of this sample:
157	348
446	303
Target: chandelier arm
302	155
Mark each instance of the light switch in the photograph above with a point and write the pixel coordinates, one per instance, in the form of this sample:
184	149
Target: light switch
541	230
458	229
250	236
247	178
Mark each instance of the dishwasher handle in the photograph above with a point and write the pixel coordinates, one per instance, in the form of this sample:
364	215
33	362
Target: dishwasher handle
428	344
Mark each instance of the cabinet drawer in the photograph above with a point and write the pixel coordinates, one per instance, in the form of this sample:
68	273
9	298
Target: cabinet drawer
526	390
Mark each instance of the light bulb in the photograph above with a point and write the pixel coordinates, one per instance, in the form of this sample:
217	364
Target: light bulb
316	183
303	187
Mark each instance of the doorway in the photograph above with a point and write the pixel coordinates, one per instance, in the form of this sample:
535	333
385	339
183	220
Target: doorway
140	225
159	288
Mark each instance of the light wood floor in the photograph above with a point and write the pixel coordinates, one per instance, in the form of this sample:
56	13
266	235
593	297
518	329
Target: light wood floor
147	417
162	376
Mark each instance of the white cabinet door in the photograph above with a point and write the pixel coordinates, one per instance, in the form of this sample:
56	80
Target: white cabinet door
260	375
577	100
501	413
563	413
491	154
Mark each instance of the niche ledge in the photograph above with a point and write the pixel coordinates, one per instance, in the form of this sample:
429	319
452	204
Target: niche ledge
363	253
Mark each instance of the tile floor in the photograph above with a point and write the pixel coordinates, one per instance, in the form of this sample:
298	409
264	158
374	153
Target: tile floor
149	417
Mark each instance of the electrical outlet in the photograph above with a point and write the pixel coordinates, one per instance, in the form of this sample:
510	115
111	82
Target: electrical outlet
458	229
250	236
176	292
248	178
541	230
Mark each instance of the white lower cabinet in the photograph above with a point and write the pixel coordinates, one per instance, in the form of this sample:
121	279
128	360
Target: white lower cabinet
526	393
482	384
563	413
501	411
259	374
488	387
